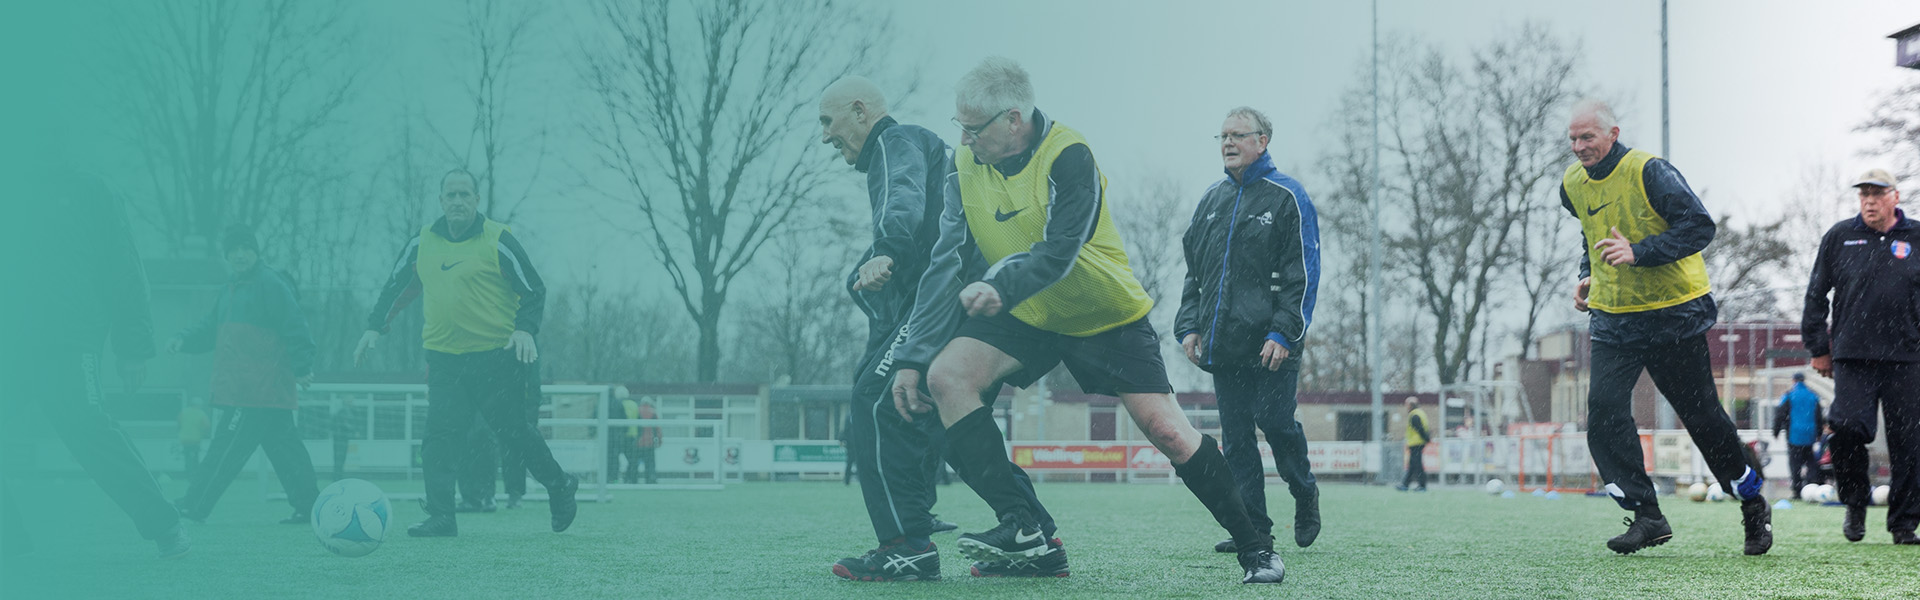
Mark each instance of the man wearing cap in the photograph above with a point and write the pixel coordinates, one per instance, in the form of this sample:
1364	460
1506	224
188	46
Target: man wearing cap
1799	416
261	350
1871	348
1645	284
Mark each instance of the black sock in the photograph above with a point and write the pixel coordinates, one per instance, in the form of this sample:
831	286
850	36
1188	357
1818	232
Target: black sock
1206	475
976	440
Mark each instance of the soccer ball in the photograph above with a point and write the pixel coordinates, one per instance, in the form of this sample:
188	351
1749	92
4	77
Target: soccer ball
1715	494
1827	494
1880	495
1810	492
1494	486
1697	492
351	517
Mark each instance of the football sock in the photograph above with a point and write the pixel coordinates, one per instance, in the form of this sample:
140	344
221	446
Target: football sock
976	440
1649	510
1206	475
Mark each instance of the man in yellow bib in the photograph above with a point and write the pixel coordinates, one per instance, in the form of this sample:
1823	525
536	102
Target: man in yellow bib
483	302
1025	232
1645	286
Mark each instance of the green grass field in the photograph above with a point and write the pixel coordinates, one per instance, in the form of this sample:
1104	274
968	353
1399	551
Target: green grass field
768	540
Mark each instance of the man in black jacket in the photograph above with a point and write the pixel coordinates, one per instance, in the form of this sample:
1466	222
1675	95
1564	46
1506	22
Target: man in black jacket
893	458
1253	270
1872	350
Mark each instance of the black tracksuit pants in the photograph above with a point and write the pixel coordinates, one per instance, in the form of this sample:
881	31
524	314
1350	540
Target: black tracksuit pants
894	459
1416	468
241	430
492	384
1802	466
1256	397
63	386
1683	373
1860	387
478	467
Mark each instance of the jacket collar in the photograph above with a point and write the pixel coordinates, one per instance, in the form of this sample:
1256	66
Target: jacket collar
1259	169
479	223
865	160
1605	167
1900	222
1013	165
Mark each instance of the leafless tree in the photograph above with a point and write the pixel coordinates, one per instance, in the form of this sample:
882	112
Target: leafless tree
1466	152
1896	121
1545	263
1744	262
1151	218
704	113
493	48
599	334
802	325
232	107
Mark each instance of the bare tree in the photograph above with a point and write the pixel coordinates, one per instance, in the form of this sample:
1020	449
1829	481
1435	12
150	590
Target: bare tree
1545	263
230	105
1744	262
1337	357
599	334
803	326
1152	218
496	35
1467	152
1896	121
704	113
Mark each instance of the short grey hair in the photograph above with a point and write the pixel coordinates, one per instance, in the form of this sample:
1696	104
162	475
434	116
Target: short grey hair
996	86
1602	113
1259	119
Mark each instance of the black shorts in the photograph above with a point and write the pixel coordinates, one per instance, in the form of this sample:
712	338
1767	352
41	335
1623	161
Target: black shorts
1122	360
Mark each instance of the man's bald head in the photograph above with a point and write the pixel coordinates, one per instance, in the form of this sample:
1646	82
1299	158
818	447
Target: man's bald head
848	110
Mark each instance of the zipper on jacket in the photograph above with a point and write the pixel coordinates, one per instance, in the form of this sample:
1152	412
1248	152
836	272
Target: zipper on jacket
1226	258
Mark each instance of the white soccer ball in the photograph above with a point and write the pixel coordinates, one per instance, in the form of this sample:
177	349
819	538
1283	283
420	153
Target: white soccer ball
1715	494
1810	492
1880	495
1827	494
1494	486
1697	492
351	517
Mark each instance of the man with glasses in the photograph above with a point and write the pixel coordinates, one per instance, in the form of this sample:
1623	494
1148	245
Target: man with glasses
1872	350
1646	287
1253	273
1030	264
894	458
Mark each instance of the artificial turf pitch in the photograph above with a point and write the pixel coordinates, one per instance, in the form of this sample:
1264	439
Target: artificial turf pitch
777	540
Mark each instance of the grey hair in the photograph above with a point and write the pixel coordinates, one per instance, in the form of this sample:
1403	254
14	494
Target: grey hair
1259	119
1602	113
997	85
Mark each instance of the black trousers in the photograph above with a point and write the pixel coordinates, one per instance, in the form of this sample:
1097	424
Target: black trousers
492	384
894	459
1859	388
488	459
241	430
1258	398
1802	466
63	386
1416	467
652	472
1682	372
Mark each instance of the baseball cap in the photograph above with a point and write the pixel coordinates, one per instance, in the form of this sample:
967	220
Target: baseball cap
1876	177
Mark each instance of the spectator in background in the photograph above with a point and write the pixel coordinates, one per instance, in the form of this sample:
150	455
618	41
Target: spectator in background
1799	415
623	440
1416	447
646	441
194	426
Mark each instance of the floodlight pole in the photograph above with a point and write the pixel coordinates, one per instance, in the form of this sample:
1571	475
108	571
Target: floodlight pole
1373	269
1666	131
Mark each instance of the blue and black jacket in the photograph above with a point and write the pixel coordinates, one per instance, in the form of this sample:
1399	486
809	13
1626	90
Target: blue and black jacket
1689	230
1253	268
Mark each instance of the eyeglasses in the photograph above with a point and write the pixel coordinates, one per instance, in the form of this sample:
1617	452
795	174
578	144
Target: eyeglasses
1873	190
975	131
1235	136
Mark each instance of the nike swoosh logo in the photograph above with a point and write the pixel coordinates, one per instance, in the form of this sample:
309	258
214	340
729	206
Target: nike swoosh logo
445	266
1002	217
1596	210
1022	537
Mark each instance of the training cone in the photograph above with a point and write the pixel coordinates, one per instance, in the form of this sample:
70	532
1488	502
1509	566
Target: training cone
1783	504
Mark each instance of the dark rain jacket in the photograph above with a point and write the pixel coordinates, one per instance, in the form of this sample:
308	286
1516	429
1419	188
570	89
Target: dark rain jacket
1253	268
906	168
259	340
1875	281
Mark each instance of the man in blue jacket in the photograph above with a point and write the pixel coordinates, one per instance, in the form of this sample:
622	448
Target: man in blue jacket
1799	415
261	351
1872	350
1253	270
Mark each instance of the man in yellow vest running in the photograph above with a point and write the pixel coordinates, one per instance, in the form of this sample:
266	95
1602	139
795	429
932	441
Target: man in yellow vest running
1046	282
483	302
1645	286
